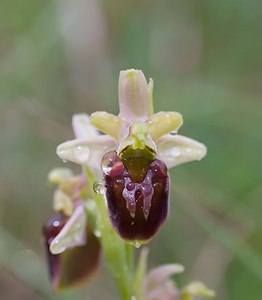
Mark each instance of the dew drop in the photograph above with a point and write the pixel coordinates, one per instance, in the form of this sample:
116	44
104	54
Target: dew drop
64	160
111	164
175	152
130	186
146	213
97	233
136	243
99	187
173	132
56	223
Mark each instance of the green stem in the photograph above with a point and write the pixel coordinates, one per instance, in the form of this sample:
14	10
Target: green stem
118	254
140	273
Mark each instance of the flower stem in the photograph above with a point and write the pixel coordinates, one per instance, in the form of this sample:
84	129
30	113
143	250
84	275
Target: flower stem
118	254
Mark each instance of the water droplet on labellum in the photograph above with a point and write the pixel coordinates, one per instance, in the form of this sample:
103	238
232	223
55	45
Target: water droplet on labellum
99	187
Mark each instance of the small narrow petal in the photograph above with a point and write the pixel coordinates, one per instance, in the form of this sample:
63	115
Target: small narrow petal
133	93
107	123
83	129
150	92
163	123
86	152
73	233
176	150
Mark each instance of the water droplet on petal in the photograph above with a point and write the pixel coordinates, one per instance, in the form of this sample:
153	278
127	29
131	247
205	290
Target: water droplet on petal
175	152
97	233
81	154
173	132
111	164
136	243
99	187
146	213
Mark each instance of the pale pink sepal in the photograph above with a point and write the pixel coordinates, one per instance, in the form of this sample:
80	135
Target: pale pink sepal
174	150
134	98
86	152
73	233
82	127
157	284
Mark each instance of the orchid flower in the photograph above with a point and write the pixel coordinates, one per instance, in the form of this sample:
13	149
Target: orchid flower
73	251
125	160
158	285
135	150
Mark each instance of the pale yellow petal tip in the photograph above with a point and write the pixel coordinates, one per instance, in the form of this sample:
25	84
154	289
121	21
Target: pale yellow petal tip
131	71
195	290
57	175
132	75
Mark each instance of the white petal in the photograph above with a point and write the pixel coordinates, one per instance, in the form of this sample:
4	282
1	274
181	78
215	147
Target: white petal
134	98
73	233
86	152
178	149
83	129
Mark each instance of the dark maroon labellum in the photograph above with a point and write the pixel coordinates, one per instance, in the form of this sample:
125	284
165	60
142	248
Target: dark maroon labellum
75	265
137	192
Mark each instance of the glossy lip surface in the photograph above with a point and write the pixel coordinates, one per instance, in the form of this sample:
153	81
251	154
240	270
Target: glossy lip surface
138	205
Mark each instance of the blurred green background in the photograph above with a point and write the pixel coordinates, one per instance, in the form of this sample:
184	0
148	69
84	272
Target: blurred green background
61	57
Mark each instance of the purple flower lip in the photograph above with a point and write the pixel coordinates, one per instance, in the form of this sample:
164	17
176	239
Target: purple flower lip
137	204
